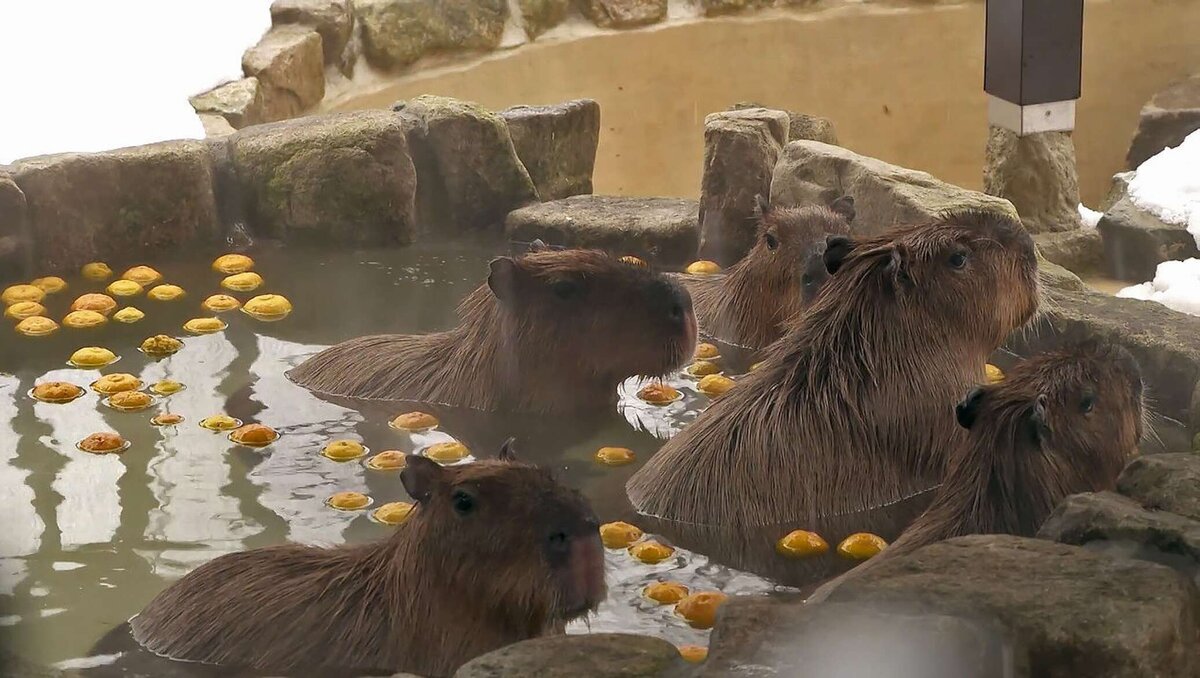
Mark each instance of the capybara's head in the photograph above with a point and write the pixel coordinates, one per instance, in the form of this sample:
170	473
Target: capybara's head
1080	407
508	535
972	273
791	241
592	310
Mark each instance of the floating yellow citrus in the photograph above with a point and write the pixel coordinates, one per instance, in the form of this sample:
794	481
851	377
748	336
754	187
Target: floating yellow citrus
703	267
994	374
693	654
166	419
619	535
92	357
165	292
651	552
204	325
267	307
344	450
392	513
124	288
220	303
161	345
56	392
414	422
861	546
447	453
666	592
37	326
702	368
658	394
254	435
115	383
167	387
130	401
388	460
715	385
24	309
220	422
707	352
51	284
232	263
128	315
15	293
801	544
96	271
349	501
699	610
242	282
80	320
615	456
100	303
143	275
103	443
633	261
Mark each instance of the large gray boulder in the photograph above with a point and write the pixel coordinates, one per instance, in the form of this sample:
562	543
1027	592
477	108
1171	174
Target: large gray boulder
810	172
740	151
1136	242
332	19
344	178
663	230
1037	174
557	144
1081	250
1165	482
1076	613
802	125
623	13
289	64
240	102
147	200
1165	121
396	33
16	251
592	655
719	7
470	174
1107	518
540	16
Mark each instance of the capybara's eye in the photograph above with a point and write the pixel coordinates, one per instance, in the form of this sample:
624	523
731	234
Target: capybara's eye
558	540
1087	403
772	241
958	260
566	289
463	502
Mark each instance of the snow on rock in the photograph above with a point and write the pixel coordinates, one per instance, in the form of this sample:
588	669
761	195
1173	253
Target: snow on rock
1168	185
1176	285
1089	217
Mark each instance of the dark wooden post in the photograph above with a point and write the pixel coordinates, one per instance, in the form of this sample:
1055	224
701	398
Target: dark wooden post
1033	62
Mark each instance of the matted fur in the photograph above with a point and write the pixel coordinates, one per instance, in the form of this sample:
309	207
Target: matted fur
1005	479
853	407
750	304
441	590
530	351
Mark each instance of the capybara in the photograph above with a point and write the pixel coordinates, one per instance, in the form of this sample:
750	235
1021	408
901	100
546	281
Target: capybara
1061	423
852	407
493	553
551	331
750	304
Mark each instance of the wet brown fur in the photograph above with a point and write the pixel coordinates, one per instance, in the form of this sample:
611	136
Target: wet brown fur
750	304
851	409
1030	445
441	590
520	346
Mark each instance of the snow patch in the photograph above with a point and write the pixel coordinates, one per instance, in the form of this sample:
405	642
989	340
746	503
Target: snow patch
1168	185
1089	217
1176	285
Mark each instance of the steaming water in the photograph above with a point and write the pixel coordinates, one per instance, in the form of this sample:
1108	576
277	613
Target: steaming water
88	540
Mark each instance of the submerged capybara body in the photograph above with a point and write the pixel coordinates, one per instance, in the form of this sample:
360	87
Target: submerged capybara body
493	553
1061	423
551	331
853	407
750	304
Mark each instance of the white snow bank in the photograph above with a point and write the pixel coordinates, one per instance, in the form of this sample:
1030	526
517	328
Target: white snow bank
1168	185
1176	285
1090	217
82	75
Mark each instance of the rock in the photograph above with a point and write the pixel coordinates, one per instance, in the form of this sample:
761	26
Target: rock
1164	482
1136	242
594	655
1166	119
782	636
1080	251
1037	174
541	15
470	174
884	194
623	13
1165	343
802	125
740	151
15	247
215	125
719	7
396	33
1075	613
557	144
330	18
1110	518
1117	190
344	178
143	201
1055	277
289	65
660	229
240	102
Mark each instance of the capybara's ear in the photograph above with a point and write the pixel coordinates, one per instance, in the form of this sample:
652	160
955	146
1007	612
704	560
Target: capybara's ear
837	248
845	207
508	451
538	246
1038	425
898	267
502	279
762	205
967	410
421	476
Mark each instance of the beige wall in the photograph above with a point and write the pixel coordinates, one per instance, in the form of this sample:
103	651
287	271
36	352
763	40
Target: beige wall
900	84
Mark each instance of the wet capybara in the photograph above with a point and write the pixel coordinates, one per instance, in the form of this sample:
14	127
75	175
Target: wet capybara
551	331
493	553
750	304
1061	423
852	407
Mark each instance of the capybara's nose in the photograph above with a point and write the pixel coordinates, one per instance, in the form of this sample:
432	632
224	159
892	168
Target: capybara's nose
814	275
679	304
